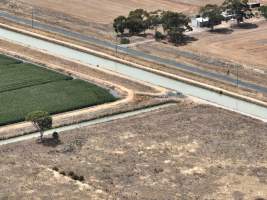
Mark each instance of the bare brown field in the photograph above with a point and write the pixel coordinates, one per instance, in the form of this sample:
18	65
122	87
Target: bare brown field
186	151
104	11
245	46
222	51
92	17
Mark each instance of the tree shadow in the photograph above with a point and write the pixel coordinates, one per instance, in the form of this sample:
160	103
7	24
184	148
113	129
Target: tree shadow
245	26
132	34
186	40
51	142
222	31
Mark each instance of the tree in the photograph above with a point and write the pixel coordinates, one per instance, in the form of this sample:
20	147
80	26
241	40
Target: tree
175	24
174	20
239	8
263	10
154	19
41	120
213	13
139	13
135	25
176	35
119	24
136	22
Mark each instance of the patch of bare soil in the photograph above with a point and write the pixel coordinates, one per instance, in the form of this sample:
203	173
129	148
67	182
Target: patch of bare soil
247	45
186	151
210	62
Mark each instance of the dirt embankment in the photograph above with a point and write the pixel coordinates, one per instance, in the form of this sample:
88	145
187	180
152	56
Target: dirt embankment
186	151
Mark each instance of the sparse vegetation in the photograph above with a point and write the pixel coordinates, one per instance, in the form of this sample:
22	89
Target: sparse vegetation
70	174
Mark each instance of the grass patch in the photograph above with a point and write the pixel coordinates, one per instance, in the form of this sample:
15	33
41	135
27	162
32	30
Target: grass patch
25	88
16	76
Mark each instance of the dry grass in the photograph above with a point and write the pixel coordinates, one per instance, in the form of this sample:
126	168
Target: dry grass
104	11
182	152
247	46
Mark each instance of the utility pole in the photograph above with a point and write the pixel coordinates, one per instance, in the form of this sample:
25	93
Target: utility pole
237	76
116	45
32	15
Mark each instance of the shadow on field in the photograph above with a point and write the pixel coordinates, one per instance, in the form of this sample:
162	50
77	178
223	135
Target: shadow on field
245	26
51	142
222	31
186	40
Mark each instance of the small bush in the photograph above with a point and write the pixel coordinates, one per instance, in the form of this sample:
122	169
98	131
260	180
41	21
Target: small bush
81	178
76	177
125	41
55	168
159	36
55	136
63	173
71	173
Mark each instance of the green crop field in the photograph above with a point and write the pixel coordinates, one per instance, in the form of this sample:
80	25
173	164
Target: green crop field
25	88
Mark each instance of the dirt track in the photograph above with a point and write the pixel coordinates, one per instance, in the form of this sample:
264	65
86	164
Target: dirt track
183	152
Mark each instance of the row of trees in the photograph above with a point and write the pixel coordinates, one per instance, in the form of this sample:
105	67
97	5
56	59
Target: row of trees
139	21
238	9
175	24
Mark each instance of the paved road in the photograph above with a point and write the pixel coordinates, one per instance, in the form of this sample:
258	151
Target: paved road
135	53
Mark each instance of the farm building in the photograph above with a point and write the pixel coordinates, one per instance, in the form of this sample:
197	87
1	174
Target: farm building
199	22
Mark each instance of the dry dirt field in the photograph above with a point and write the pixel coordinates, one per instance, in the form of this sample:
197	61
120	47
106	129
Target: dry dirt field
104	11
247	46
186	151
222	51
91	16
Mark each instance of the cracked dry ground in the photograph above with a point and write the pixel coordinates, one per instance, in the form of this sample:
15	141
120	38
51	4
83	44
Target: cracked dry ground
186	151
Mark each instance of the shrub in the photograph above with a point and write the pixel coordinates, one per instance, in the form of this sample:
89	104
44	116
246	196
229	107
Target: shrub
55	136
71	173
159	36
76	177
55	168
63	173
81	178
125	41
